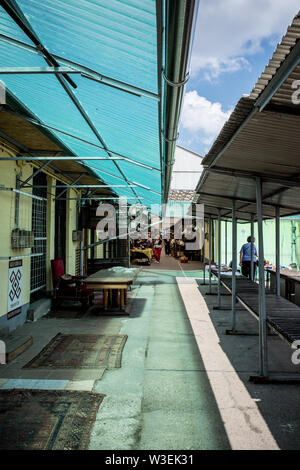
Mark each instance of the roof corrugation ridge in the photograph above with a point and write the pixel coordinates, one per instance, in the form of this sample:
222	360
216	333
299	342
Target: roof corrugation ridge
281	52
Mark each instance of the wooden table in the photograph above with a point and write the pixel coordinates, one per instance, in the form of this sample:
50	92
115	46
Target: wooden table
112	282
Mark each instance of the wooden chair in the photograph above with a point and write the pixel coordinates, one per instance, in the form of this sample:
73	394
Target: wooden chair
68	287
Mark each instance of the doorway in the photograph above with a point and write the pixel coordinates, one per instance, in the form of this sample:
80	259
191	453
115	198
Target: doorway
60	225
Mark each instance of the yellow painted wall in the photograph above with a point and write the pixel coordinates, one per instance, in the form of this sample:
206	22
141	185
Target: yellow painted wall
50	231
70	226
99	248
89	251
8	174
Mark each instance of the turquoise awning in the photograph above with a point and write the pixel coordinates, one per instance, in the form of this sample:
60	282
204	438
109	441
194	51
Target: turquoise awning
110	102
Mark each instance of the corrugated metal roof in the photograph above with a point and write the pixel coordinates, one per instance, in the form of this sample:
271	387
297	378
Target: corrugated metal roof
118	39
118	107
283	97
259	141
280	54
268	144
23	133
218	190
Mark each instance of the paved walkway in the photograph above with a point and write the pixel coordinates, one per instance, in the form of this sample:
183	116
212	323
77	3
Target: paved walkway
163	403
183	384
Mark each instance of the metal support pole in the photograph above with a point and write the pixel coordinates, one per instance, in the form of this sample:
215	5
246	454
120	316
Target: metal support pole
204	283
209	251
213	240
226	240
80	186
218	307
86	72
35	173
234	266
252	248
81	257
277	250
219	258
36	158
17	201
293	241
36	70
263	360
66	189
128	239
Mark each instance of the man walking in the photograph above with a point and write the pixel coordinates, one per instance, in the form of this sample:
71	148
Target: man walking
245	258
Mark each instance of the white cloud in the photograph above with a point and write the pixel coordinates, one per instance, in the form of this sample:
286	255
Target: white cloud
212	67
229	31
201	115
201	122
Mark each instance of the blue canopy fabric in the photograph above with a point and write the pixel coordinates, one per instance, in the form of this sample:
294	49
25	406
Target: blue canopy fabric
118	39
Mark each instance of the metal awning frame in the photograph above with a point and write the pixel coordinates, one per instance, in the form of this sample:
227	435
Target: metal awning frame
285	184
292	60
249	201
48	161
283	181
72	67
263	374
171	75
14	11
39	155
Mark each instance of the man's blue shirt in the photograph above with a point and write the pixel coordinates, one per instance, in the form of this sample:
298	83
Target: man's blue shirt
246	252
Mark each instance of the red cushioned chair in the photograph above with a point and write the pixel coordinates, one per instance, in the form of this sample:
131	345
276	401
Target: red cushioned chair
67	287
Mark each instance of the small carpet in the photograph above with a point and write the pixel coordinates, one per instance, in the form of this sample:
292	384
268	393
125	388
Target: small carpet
47	420
80	352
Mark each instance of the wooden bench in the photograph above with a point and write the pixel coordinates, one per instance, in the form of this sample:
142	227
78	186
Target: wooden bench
112	283
282	316
289	283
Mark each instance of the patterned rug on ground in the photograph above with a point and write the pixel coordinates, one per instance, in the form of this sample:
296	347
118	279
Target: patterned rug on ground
80	352
47	420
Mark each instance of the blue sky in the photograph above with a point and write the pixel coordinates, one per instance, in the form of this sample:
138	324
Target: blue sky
234	41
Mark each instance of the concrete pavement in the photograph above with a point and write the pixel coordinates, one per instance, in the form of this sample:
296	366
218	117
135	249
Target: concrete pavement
183	384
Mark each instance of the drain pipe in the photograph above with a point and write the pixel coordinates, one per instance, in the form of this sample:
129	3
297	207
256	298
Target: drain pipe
180	19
